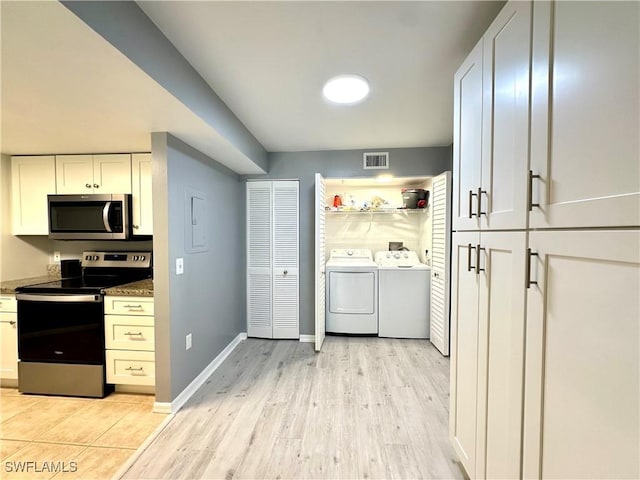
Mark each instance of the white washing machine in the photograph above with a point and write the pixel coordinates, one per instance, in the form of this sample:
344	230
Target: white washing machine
351	292
404	289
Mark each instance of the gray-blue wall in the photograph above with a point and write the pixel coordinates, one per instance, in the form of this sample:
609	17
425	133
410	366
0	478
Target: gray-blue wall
404	162
208	300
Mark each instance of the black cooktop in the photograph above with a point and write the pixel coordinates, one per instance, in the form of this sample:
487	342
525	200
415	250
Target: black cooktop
78	285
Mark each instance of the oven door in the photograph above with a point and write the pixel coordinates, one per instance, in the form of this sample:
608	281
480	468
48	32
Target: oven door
61	328
88	217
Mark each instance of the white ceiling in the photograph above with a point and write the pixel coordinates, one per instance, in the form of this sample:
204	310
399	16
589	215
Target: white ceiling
66	90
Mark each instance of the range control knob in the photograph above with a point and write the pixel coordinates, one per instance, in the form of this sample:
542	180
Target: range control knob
142	257
135	257
349	252
396	256
406	255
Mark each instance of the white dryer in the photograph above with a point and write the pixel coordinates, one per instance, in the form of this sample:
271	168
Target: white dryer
352	292
404	289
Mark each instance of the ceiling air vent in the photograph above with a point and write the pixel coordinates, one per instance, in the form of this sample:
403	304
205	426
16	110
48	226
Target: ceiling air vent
376	160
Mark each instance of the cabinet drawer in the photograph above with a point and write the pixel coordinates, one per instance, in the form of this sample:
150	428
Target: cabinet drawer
131	367
125	332
128	305
8	303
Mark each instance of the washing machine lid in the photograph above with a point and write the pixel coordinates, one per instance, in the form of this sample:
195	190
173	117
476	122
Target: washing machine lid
351	257
399	259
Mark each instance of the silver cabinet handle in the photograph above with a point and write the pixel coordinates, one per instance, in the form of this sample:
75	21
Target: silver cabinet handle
480	192
134	307
131	369
88	185
530	191
10	322
527	276
470	247
471	195
133	334
478	250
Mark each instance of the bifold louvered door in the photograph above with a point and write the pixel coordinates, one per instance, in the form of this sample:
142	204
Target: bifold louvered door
272	259
440	261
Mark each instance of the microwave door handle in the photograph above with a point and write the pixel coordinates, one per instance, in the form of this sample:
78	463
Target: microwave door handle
105	217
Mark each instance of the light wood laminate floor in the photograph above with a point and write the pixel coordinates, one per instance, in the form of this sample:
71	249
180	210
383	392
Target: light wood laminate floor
362	408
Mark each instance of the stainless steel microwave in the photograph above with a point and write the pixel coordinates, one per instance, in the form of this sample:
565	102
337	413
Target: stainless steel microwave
89	217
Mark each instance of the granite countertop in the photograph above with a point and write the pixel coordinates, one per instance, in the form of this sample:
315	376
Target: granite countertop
9	286
141	288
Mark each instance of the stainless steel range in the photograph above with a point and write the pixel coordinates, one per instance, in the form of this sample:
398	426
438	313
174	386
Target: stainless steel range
61	325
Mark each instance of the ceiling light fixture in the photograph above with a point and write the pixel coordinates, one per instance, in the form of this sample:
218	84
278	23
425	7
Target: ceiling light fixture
384	178
346	89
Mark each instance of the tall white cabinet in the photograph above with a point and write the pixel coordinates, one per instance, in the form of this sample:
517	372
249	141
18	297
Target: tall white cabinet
273	259
545	372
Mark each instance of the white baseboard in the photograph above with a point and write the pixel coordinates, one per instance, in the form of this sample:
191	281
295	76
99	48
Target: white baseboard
185	395
307	338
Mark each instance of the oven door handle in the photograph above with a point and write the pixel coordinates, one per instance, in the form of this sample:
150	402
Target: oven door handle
105	217
35	297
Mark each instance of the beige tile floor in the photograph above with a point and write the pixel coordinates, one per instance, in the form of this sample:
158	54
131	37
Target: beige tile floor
74	438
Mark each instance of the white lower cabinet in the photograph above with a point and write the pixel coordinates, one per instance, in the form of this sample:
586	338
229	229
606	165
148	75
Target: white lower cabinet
581	417
8	338
130	340
487	346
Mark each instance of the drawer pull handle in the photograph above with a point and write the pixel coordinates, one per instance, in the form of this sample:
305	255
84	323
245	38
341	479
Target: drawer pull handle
10	322
88	185
132	369
134	307
136	334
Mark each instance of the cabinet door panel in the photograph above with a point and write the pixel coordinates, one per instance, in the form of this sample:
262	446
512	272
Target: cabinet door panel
9	351
141	193
464	349
583	370
505	129
74	174
586	114
112	173
32	179
501	354
467	140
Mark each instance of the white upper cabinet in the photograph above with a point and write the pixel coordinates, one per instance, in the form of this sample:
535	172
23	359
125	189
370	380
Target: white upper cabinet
502	199
141	194
491	126
93	173
583	370
467	140
585	115
32	179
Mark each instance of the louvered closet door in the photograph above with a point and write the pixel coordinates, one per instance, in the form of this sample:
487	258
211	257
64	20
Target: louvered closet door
259	291
285	260
320	204
440	265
